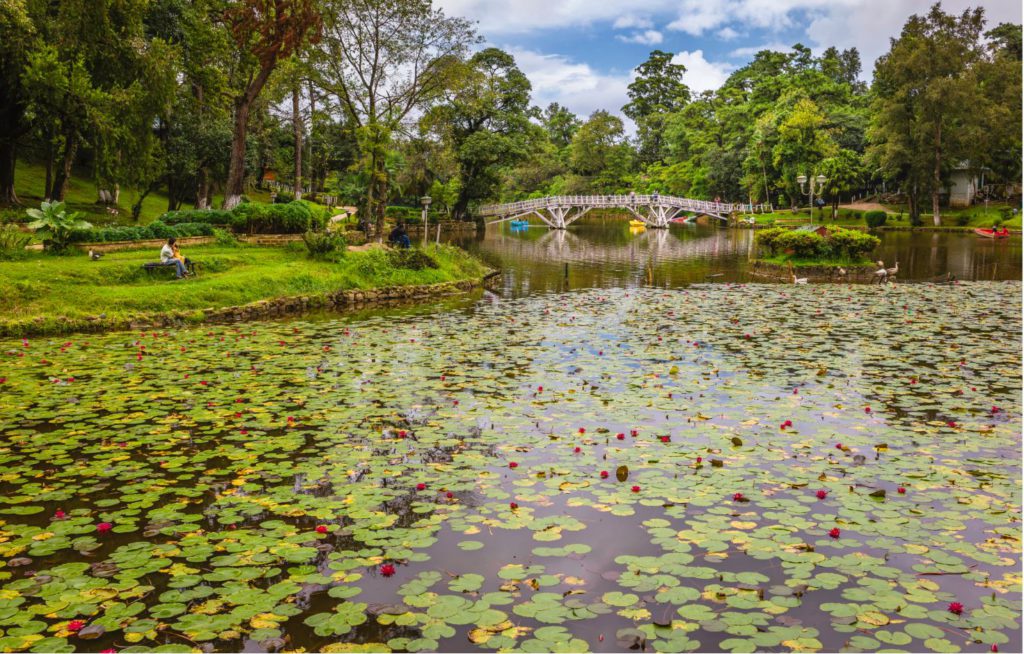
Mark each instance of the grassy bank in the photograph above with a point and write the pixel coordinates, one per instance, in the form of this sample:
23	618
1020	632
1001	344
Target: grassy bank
51	294
799	262
973	217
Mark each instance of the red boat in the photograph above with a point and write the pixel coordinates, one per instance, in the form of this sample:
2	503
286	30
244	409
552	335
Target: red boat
992	233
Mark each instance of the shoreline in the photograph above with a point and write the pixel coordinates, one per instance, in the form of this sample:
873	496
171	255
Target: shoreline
341	300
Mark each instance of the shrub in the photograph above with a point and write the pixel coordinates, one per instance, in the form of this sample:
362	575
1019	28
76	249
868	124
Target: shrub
225	239
323	245
411	259
963	219
13	242
766	237
802	244
209	216
875	218
155	230
55	225
851	243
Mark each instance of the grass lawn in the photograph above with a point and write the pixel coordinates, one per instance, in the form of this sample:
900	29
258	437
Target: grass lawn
62	291
897	217
30	182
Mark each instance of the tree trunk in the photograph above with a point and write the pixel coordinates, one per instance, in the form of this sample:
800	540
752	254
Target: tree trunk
7	167
297	125
63	178
236	170
137	207
314	178
380	181
202	188
937	177
49	165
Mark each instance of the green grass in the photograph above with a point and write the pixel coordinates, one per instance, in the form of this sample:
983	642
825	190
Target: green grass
898	216
797	262
30	184
44	293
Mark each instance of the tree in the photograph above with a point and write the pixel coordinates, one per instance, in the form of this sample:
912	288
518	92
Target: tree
599	153
929	111
843	173
561	124
16	37
483	120
383	59
658	90
804	141
264	33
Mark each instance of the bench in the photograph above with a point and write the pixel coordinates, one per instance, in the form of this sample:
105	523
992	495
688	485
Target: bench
157	265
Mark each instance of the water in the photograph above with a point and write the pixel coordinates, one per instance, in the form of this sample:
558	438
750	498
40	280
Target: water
215	453
608	254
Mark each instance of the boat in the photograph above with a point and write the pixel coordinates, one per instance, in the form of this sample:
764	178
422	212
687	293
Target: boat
637	223
992	233
519	224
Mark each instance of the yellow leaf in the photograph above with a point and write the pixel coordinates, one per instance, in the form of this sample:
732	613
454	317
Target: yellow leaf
873	618
46	535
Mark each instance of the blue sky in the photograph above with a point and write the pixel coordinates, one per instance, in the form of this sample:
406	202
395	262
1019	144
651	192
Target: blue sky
581	53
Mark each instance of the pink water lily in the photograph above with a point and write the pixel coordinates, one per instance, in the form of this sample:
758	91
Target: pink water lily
386	570
513	506
104	527
75	625
321	529
738	497
513	464
604	474
421	486
59	514
956	608
635	489
834	532
821	494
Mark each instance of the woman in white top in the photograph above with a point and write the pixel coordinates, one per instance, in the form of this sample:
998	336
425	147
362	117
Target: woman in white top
169	256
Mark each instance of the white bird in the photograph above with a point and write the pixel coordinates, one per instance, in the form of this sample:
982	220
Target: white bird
796	280
94	256
891	272
881	274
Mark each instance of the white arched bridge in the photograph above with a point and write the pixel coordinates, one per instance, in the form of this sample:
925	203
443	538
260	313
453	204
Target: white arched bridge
560	211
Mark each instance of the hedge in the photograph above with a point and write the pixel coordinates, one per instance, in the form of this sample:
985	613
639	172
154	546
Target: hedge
840	243
295	217
154	230
875	218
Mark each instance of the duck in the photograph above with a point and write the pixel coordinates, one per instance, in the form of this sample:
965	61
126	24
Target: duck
94	256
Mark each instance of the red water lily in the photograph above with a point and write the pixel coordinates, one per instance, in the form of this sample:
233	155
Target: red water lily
822	494
700	460
104	527
621	437
839	446
996	409
321	529
867	409
634	433
635	489
449	495
788	423
59	514
576	450
75	625
994	648
738	497
108	651
386	570
834	532
796	391
513	506
746	336
956	608
401	433
664	439
421	486
901	490
604	474
951	424
513	464
583	430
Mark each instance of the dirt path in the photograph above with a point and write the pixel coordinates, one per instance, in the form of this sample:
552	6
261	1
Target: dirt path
864	206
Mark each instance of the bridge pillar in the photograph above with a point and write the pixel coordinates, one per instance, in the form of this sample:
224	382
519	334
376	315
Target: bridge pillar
660	215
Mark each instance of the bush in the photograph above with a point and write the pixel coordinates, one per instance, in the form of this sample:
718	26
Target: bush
323	245
963	220
209	216
294	217
13	242
766	237
411	259
875	218
155	230
851	243
802	244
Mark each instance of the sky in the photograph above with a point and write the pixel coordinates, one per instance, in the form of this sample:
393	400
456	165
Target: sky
581	53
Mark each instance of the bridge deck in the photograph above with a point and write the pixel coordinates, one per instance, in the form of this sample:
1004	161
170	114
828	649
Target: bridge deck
618	202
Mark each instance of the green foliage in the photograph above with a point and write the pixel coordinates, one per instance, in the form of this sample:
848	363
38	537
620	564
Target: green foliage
411	259
55	224
875	218
155	230
294	217
805	245
766	238
323	245
13	242
851	243
839	243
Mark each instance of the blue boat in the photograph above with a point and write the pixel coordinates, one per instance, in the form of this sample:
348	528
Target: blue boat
519	224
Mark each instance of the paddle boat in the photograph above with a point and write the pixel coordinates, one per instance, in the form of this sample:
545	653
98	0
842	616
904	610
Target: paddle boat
637	223
992	233
519	224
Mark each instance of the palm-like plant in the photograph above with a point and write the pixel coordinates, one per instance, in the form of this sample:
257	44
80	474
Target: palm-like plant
55	224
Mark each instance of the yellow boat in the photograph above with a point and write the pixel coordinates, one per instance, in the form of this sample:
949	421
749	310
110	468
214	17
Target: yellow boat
637	223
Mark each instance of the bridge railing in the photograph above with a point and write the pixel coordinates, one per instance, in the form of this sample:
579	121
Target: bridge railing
619	201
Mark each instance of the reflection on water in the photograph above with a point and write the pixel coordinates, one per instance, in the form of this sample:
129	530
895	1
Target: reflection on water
609	254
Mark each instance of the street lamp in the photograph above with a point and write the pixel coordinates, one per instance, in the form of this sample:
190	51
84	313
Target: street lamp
817	184
425	201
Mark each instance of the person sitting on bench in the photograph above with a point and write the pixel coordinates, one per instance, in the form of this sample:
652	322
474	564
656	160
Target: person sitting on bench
399	237
169	256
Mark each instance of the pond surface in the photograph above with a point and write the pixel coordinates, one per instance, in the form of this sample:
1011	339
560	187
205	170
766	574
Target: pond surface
607	253
723	468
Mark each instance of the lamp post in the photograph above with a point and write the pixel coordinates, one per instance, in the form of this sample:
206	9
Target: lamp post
425	201
816	184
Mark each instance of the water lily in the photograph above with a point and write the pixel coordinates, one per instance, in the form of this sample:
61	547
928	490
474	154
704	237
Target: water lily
513	464
540	389
788	423
621	437
821	494
901	490
104	527
834	532
421	486
956	608
449	495
59	514
576	449
665	439
867	409
75	625
738	497
635	489
583	430
513	506
386	570
995	409
321	529
951	424
634	433
839	446
700	460
604	474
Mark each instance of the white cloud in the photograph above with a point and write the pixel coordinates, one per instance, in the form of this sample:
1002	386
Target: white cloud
627	21
748	52
701	74
572	84
647	37
727	34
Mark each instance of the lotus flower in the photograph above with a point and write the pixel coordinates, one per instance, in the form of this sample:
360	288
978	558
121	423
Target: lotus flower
513	464
821	494
421	486
604	474
386	570
104	527
834	532
635	489
321	529
75	625
513	506
956	608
